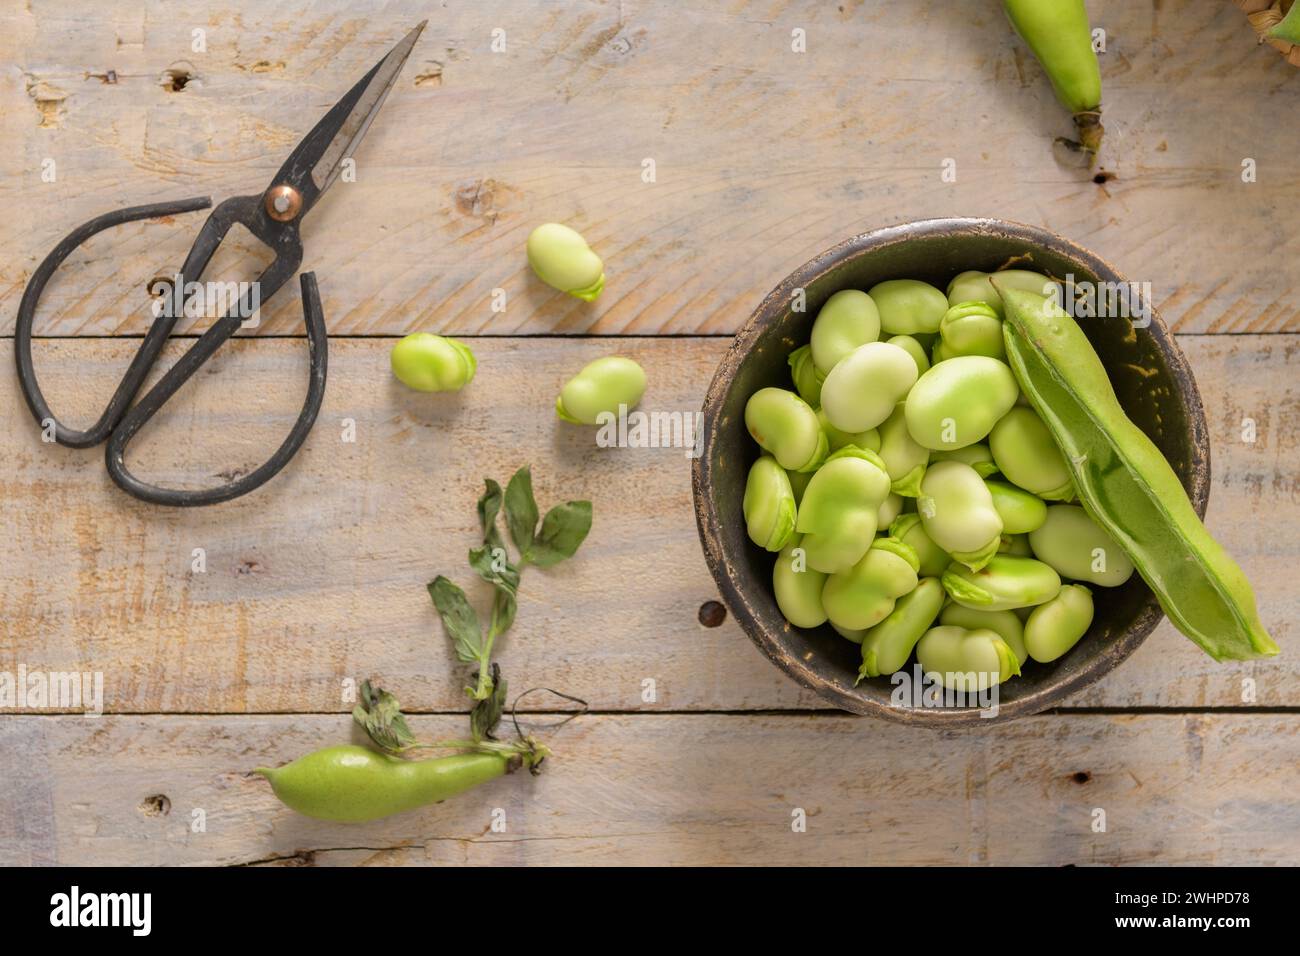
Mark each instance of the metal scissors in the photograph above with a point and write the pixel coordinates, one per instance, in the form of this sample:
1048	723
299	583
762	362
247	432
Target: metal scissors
273	217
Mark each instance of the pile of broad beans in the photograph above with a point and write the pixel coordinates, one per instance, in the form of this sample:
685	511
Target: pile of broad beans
916	501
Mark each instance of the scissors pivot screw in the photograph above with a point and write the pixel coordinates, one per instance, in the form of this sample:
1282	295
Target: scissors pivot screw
283	203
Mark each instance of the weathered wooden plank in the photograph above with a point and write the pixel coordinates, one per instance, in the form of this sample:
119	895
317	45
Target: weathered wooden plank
677	789
320	575
763	156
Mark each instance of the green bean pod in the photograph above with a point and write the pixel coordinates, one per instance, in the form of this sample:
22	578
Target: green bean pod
864	595
847	320
887	646
1128	487
351	784
1004	623
785	425
798	588
1004	583
1056	626
966	660
769	504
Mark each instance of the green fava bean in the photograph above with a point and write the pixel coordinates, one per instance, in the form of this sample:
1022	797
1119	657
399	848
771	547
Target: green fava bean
1004	623
769	504
847	320
1021	512
1079	548
596	393
957	510
939	352
807	379
1006	582
353	784
863	388
912	347
904	459
890	510
849	633
977	456
840	510
968	660
909	529
798	588
1013	544
973	286
1027	456
887	646
563	260
785	425
864	595
433	363
1055	627
836	439
908	306
972	328
959	401
798	483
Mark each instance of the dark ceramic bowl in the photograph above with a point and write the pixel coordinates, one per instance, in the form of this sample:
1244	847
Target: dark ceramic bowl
1147	368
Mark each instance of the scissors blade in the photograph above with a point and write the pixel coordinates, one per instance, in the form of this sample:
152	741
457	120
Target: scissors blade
316	162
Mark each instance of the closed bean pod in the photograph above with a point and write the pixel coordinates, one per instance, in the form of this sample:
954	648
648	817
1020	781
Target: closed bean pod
959	401
972	328
904	459
913	347
967	660
977	456
798	588
847	320
1004	583
1021	511
836	439
840	510
1027	456
910	529
769	504
1004	623
785	425
957	510
598	391
863	388
1055	627
1079	548
863	595
908	306
563	260
887	646
805	375
433	363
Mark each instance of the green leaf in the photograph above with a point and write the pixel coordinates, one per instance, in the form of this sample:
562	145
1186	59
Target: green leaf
485	716
458	618
489	506
564	528
380	715
504	605
521	509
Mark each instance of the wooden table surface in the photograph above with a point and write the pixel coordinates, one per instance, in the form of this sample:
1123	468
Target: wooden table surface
762	157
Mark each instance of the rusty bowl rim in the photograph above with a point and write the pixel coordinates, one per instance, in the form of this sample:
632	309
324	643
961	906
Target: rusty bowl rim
770	310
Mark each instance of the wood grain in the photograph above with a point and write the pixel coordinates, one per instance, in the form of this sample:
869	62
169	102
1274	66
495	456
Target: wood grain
763	156
647	789
319	577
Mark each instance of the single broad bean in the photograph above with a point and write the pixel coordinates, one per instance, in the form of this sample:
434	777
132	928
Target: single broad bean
1006	582
1079	548
863	595
977	287
973	328
904	459
940	352
563	260
352	784
1055	627
836	439
966	660
784	424
840	510
1027	456
807	379
913	347
854	634
908	306
1021	511
798	588
847	320
957	510
890	510
1004	623
977	456
863	388
597	392
910	529
958	401
433	363
887	646
1013	544
769	504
